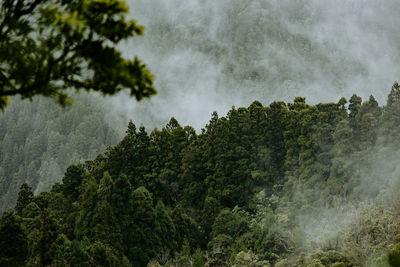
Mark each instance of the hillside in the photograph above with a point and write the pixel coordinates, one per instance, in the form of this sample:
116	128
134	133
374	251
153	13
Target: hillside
289	184
39	140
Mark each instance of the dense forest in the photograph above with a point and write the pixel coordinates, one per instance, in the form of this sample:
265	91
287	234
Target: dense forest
36	146
289	184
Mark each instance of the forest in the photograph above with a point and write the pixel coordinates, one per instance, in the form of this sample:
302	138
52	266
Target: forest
43	144
288	184
291	183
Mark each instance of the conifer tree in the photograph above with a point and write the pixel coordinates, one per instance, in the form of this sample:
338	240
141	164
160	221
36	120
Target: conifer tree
25	196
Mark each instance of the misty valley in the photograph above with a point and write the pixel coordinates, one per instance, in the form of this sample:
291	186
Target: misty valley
109	156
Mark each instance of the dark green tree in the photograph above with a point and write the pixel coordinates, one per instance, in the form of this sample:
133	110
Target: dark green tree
144	243
105	226
394	95
354	107
47	245
71	181
84	223
198	259
76	254
25	196
103	255
123	208
391	117
232	223
394	256
164	229
13	241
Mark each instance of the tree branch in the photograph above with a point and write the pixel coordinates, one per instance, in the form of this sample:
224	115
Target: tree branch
10	92
22	12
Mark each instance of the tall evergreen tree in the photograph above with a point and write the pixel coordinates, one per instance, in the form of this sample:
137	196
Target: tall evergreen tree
25	196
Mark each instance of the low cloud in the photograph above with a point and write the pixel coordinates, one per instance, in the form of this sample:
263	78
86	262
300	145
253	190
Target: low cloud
209	55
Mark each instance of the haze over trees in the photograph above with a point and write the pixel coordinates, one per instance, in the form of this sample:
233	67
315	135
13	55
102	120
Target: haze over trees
288	184
262	186
223	53
39	140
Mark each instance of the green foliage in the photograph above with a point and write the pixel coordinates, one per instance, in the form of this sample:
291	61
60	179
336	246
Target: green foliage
46	245
48	47
39	140
258	187
394	256
198	259
103	255
71	181
231	223
76	254
243	259
394	95
25	196
13	241
164	228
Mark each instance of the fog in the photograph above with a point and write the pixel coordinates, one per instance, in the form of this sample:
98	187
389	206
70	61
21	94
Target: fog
376	174
209	55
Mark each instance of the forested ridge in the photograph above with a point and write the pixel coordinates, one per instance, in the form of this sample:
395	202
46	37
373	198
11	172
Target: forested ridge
39	140
289	184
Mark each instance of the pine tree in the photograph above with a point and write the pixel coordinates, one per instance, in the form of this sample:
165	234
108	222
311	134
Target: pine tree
144	243
71	181
47	245
25	196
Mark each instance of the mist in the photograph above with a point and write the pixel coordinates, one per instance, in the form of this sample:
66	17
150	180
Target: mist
376	177
328	223
212	55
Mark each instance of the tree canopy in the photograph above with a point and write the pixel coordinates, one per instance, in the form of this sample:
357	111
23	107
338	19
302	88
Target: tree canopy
49	46
289	184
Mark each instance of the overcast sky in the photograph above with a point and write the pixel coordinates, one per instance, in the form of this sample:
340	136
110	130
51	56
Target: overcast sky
212	54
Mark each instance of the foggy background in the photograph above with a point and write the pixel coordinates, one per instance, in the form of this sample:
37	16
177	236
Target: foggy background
210	55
